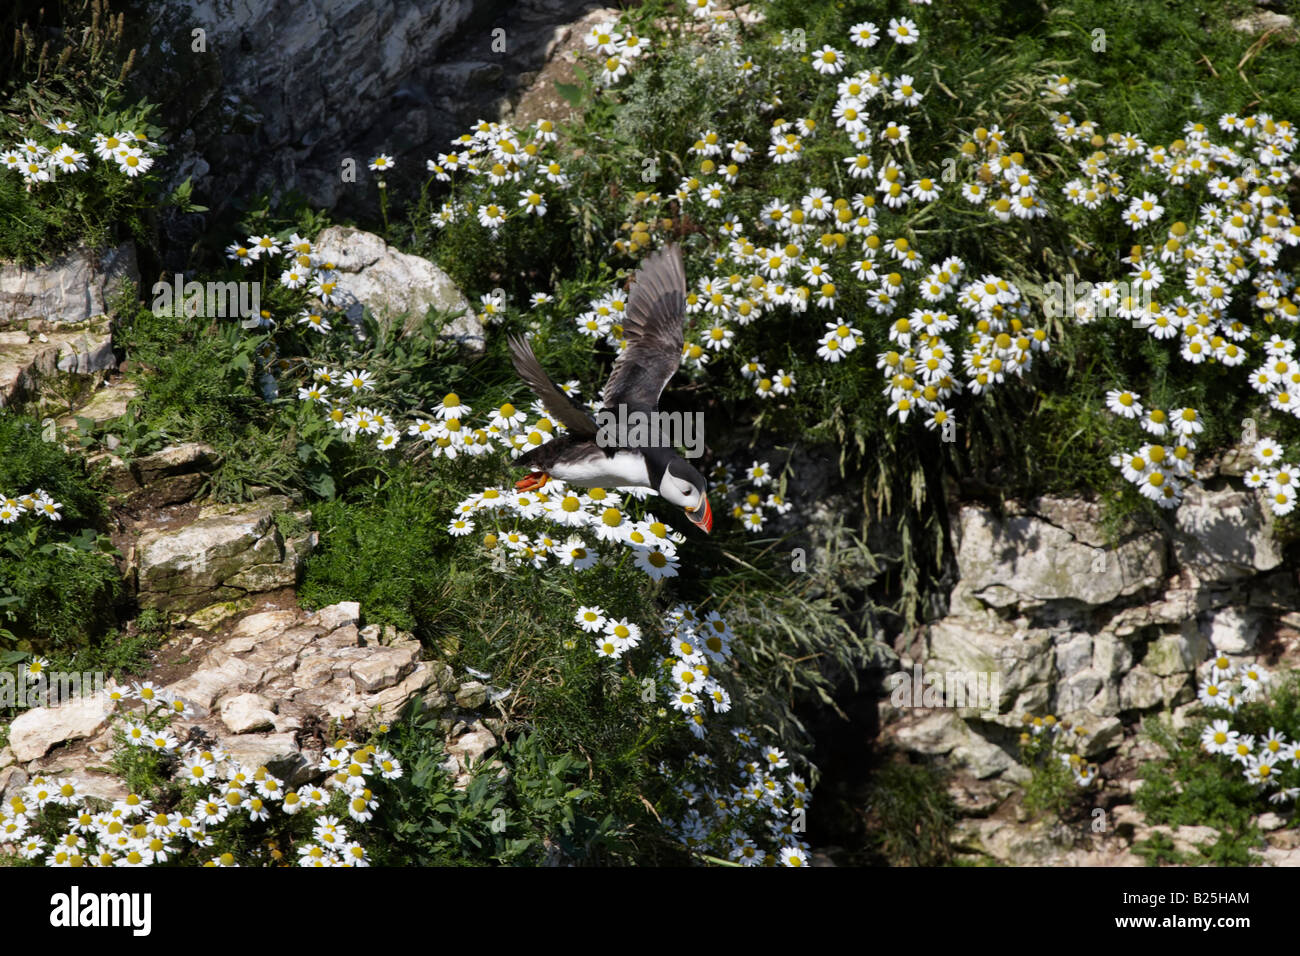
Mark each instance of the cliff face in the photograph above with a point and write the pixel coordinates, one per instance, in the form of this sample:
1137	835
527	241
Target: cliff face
1099	633
333	79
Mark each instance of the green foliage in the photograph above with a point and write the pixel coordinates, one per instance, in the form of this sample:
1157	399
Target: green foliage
541	809
1052	788
115	655
198	382
1159	850
1190	787
68	61
58	582
382	550
29	462
912	815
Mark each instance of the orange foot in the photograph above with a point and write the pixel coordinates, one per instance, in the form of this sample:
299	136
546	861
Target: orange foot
534	481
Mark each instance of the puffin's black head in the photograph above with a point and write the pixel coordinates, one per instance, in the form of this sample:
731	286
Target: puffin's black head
684	487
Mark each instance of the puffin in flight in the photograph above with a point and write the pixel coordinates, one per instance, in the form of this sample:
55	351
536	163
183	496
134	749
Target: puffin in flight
656	312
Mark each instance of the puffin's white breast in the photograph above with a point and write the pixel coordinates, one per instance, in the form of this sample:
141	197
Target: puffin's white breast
625	468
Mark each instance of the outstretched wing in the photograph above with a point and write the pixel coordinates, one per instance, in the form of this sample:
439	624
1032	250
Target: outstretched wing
566	410
656	309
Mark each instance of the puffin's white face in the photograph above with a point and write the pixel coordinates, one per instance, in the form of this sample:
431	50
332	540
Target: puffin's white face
687	495
680	492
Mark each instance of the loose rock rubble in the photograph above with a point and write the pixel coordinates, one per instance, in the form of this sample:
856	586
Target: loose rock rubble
269	689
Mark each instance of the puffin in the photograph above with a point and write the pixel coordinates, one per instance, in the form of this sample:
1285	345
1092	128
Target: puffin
653	326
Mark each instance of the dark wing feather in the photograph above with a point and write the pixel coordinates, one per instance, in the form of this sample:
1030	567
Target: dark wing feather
656	308
566	410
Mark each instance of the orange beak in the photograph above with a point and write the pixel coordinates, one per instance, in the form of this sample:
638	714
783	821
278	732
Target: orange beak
704	520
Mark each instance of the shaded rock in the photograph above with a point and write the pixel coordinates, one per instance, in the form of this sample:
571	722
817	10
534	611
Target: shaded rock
1140	689
1025	560
279	753
978	798
33	732
1270	821
115	470
1078	691
1223	535
73	287
1110	656
28	360
1022	659
1175	654
393	284
104	405
942	732
933	733
1074	655
336	615
1103	733
226	552
383	667
172	475
469	748
1172	608
1187	839
1273	856
183	459
1266	21
212	615
387	705
1231	630
101	786
12	780
1008	843
472	695
207	685
247	713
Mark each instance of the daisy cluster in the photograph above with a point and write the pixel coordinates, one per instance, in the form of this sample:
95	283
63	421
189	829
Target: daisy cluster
343	398
1061	739
1278	478
569	527
342	395
806	252
811	251
1183	283
301	267
37	502
696	644
1157	470
134	831
127	150
498	157
768	795
755	817
753	493
617	51
1270	762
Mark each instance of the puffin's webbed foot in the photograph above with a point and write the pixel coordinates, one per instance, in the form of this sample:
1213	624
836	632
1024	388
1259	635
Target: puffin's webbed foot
534	481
